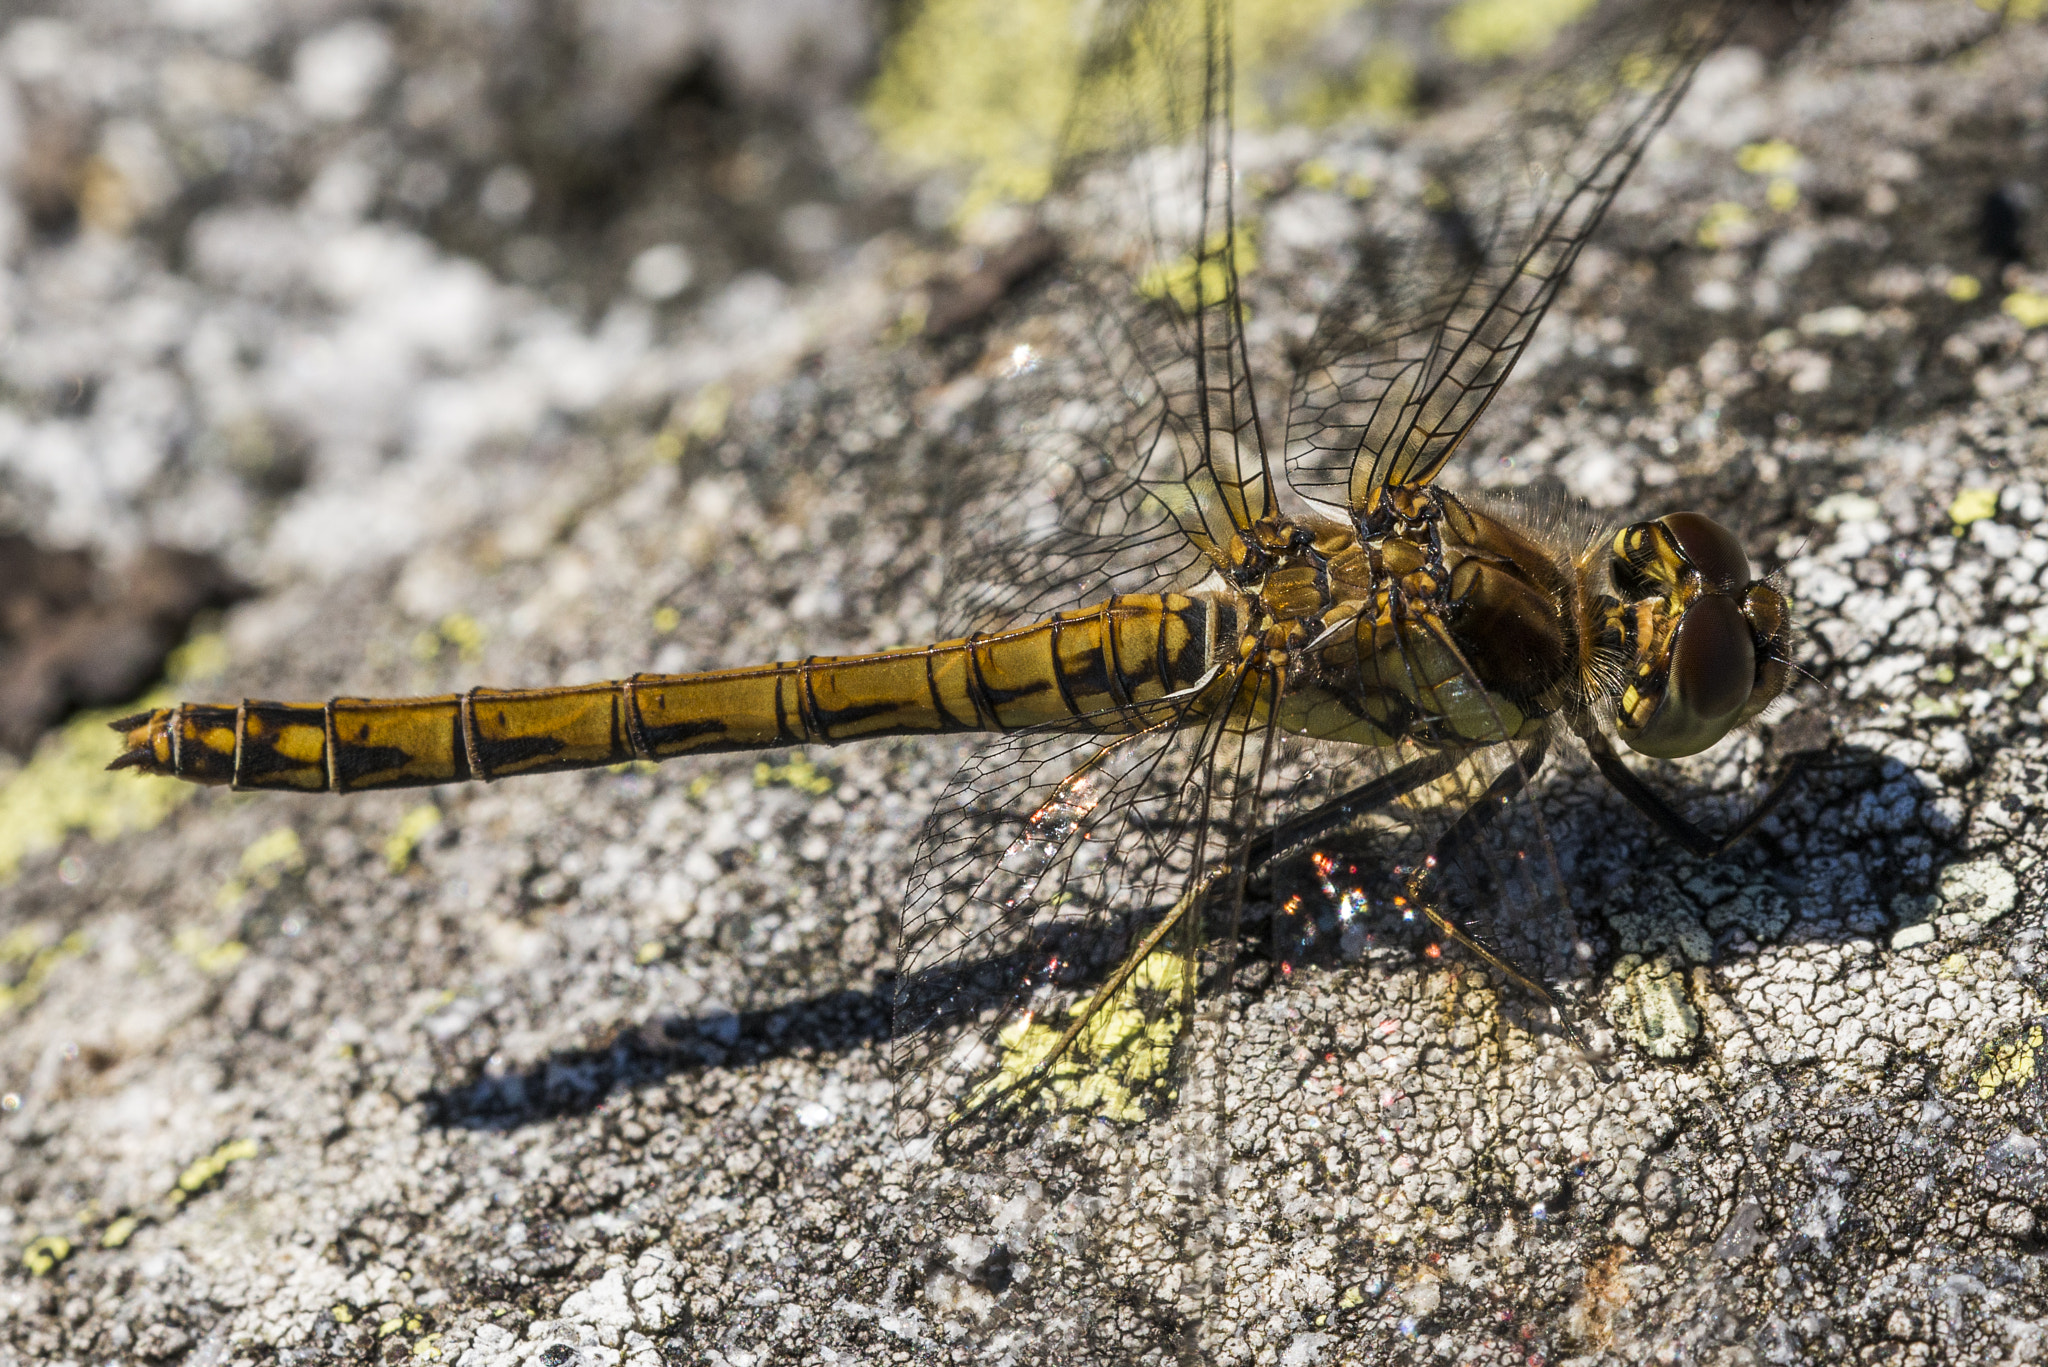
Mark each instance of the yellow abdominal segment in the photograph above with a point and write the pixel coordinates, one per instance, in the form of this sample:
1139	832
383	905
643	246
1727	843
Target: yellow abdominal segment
1100	669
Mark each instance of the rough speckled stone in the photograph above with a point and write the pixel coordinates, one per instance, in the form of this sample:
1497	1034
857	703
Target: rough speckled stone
595	1067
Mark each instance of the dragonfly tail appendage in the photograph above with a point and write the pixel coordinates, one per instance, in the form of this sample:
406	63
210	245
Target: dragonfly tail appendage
1099	667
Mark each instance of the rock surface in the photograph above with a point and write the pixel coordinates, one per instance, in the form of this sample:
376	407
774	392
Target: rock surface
594	1068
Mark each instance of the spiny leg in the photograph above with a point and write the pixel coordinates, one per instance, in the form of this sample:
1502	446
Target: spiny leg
1256	857
1668	819
1467	828
1340	812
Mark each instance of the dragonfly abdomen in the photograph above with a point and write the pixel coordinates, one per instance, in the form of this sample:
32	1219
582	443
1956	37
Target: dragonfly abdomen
1096	669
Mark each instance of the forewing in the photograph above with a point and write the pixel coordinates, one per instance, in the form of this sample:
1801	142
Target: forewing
1431	319
1143	456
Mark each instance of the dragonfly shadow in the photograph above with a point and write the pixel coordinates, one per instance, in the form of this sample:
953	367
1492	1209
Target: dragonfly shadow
580	1080
1858	852
1877	865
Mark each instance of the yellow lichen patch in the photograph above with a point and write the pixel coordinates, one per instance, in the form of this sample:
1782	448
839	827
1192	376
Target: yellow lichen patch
1484	30
120	1231
202	1173
1386	86
273	854
411	1322
1649	1005
1782	194
997	89
43	1255
1726	224
2026	307
700	420
981	84
1316	174
205	656
264	864
208	954
26	948
1972	505
1381	88
465	633
2007	1062
457	629
667	619
1772	158
799	773
1963	288
66	788
653	952
1196	280
1120	1058
415	826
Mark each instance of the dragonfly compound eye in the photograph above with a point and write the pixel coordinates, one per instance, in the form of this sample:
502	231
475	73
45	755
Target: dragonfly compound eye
1726	656
1654	558
1711	548
1706	685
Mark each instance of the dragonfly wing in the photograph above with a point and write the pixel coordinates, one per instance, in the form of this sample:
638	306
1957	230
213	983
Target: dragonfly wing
1100	490
1438	307
1048	859
1145	455
1077	890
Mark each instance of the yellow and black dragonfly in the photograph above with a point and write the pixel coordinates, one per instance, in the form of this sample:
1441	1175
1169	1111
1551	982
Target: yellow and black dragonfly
1219	619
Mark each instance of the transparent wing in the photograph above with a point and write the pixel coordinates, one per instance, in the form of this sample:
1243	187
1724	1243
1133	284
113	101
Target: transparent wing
1240	857
1070	937
1110	487
1074	961
1435	313
1145	454
1047	862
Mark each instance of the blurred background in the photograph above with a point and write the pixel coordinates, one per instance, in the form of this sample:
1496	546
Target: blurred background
275	274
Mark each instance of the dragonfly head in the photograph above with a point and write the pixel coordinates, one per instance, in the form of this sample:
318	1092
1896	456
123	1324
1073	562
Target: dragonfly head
1707	647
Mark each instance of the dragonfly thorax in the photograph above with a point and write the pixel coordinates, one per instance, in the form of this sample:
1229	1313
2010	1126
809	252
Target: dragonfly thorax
1435	623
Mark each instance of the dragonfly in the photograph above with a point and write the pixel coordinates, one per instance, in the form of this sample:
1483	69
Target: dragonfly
1220	619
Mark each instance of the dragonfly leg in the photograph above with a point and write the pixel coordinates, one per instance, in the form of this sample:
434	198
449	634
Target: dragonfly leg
1668	819
1257	856
1332	817
1467	828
